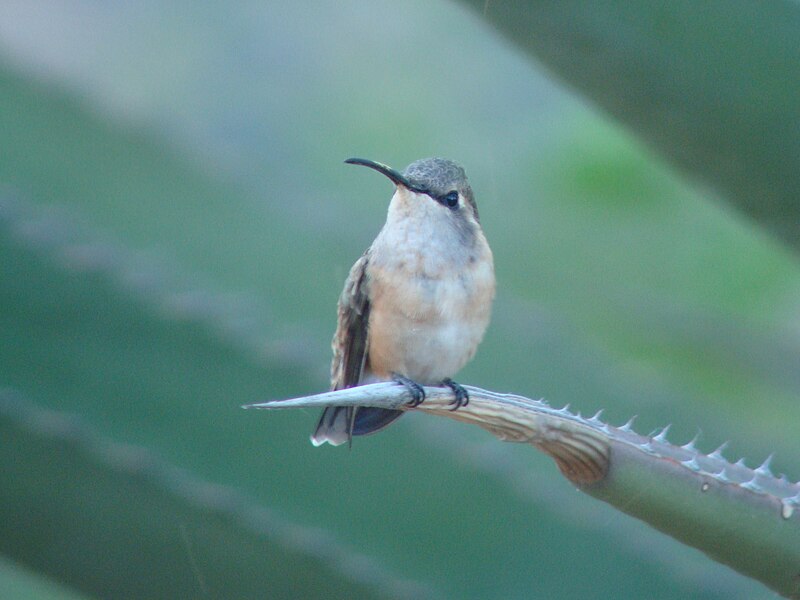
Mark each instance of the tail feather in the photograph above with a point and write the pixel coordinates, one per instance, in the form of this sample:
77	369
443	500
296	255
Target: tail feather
371	420
338	424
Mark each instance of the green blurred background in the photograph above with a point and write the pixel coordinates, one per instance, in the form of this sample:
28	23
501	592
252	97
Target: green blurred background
176	224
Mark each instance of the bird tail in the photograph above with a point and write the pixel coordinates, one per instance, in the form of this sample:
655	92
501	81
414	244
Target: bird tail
338	424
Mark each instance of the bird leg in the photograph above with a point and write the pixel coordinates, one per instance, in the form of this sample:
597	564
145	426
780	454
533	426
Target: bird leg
461	395
416	390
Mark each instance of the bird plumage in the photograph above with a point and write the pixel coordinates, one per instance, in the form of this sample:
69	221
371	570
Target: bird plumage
417	303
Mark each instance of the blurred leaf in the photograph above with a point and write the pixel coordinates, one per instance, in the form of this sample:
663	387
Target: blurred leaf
21	584
713	86
123	524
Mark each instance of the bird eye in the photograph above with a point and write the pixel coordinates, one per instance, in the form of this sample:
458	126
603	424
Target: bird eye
450	199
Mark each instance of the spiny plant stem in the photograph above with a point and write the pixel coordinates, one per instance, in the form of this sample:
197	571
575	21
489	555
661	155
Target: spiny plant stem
745	518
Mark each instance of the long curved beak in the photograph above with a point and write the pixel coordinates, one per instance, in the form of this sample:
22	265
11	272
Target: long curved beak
396	177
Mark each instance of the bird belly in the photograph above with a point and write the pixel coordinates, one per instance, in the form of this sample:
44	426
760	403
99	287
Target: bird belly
427	328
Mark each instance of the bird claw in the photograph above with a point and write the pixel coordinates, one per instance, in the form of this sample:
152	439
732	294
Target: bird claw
416	390
461	395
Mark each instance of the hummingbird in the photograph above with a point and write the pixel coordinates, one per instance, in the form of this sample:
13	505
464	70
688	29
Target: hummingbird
416	304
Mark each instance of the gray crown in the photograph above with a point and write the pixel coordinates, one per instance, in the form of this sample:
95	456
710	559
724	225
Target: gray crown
440	176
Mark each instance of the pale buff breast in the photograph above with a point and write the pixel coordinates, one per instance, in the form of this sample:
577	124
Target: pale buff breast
427	318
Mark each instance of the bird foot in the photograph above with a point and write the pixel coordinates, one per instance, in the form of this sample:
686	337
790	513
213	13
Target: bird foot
461	395
416	390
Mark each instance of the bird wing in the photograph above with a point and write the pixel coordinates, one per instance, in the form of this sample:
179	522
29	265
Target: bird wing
338	424
350	342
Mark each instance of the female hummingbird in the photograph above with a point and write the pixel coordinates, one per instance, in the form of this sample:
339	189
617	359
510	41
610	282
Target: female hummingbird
415	306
